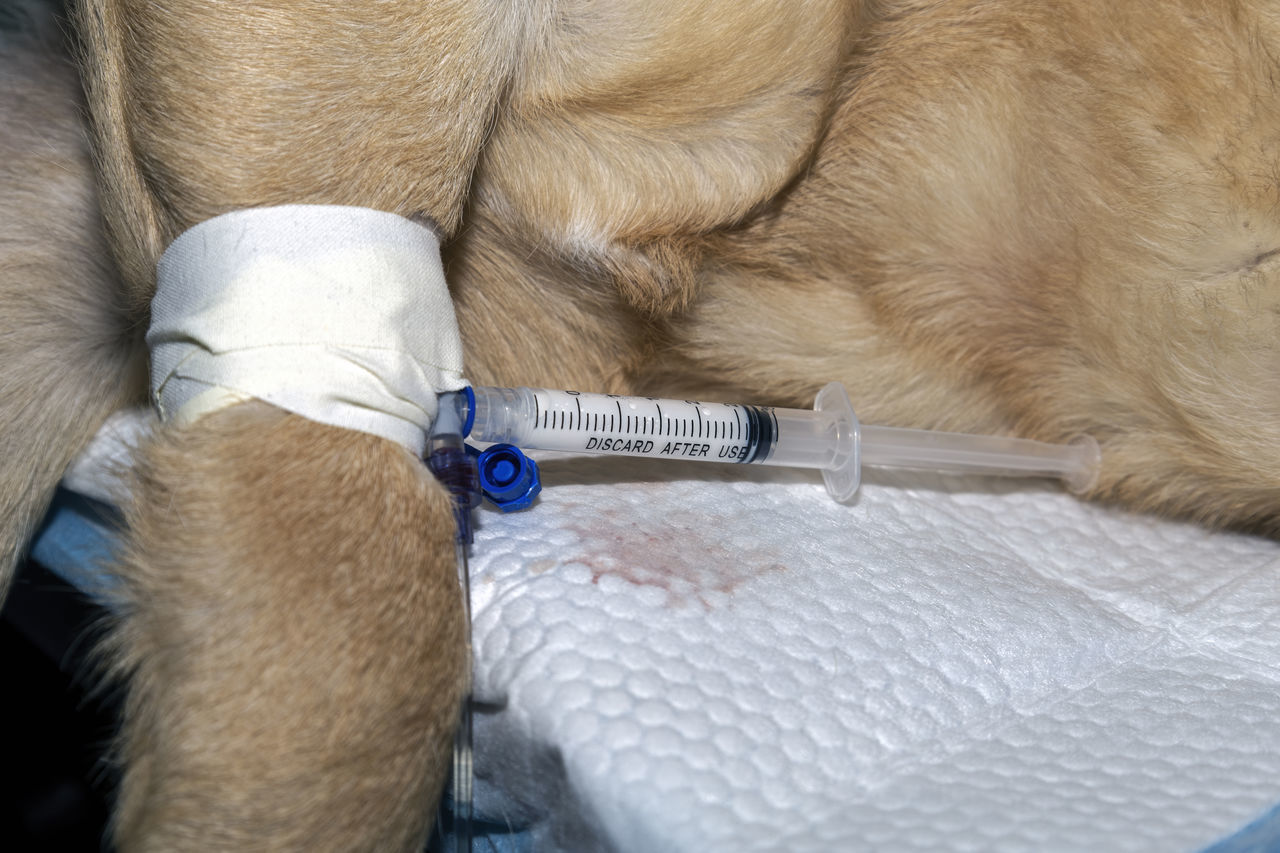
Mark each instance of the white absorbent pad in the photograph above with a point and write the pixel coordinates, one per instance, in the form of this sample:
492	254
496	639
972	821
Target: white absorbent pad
711	658
339	314
729	664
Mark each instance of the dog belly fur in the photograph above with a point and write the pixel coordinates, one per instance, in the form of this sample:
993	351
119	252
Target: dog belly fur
1040	219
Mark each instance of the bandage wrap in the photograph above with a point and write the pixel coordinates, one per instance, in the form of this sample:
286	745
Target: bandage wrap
339	314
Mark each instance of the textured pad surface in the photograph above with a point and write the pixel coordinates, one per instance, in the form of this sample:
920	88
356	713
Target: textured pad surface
740	664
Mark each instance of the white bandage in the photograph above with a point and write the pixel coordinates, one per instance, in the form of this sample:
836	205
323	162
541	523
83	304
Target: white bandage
340	314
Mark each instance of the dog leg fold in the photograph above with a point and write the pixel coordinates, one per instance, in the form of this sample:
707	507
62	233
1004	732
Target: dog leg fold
199	108
293	632
67	355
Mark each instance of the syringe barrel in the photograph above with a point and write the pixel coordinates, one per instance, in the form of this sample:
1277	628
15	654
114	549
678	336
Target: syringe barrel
544	419
503	415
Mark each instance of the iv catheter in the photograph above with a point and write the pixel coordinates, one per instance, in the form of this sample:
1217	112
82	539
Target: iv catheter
829	438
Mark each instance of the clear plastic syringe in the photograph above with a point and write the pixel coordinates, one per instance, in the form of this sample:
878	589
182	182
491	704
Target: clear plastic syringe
828	438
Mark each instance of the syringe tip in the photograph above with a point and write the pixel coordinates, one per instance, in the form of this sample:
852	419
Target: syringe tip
1088	464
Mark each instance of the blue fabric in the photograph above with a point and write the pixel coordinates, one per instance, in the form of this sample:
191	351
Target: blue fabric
76	542
1261	836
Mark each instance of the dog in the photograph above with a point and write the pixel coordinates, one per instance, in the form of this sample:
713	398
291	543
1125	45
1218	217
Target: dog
1000	216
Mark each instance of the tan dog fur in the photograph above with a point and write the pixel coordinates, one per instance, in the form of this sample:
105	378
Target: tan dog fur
1035	217
65	359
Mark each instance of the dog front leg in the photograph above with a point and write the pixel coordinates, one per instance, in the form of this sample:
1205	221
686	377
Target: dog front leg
293	629
294	640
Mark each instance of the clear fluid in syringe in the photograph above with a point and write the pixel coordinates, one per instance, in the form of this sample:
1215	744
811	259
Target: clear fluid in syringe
633	426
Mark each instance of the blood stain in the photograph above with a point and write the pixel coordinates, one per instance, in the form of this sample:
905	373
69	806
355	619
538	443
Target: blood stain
683	561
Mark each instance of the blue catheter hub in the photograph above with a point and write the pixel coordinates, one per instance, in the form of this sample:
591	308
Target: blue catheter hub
508	477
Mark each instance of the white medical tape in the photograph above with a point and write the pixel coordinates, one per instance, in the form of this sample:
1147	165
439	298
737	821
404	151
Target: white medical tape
339	314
